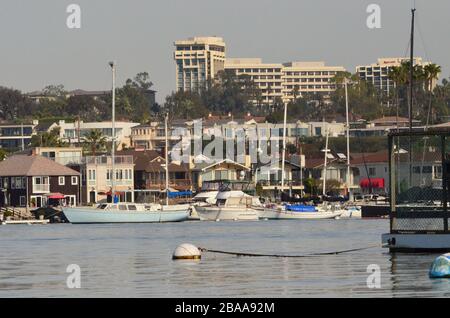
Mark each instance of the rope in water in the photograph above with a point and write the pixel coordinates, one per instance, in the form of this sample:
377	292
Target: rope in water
202	249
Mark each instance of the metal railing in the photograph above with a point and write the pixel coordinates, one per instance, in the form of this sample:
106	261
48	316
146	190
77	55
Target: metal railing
418	201
107	160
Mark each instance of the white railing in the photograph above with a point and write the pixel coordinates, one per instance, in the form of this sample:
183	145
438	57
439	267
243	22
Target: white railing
41	188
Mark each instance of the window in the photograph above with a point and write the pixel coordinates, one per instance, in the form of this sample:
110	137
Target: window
91	174
372	171
427	169
74	180
22	200
61	180
438	172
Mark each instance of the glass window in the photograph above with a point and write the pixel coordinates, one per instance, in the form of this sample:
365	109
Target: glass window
61	180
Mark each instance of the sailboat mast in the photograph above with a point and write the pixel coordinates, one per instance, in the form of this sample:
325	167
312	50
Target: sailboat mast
166	158
113	143
283	154
411	86
324	184
348	137
411	70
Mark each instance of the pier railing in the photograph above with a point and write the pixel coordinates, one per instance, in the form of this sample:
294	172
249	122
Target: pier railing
419	164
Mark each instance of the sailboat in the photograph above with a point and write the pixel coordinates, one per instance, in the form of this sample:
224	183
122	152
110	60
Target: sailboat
297	212
124	212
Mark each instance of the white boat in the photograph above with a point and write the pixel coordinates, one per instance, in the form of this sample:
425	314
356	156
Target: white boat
352	212
127	213
230	205
202	199
281	212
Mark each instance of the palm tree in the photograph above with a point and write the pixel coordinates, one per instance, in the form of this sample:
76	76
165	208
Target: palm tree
94	141
431	73
397	75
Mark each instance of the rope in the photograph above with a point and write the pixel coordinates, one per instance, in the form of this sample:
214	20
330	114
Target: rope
202	249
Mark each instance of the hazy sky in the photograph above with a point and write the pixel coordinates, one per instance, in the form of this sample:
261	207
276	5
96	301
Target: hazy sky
38	49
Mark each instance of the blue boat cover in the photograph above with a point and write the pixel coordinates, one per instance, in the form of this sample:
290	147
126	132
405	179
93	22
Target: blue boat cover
300	208
180	194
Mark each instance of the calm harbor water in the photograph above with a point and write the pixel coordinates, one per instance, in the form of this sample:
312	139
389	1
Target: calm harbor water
129	260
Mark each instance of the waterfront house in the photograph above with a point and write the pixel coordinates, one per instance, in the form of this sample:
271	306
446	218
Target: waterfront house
336	170
220	170
67	156
372	169
16	136
34	180
97	178
149	171
269	176
74	132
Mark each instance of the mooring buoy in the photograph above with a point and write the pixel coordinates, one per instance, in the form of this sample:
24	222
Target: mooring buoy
187	251
440	267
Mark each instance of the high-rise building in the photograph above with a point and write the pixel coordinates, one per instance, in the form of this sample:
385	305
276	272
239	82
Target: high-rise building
378	73
286	81
198	60
300	78
268	78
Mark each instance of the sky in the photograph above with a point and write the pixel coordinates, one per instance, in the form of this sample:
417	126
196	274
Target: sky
38	48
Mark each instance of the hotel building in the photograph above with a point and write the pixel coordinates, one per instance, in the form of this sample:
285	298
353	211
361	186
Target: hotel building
378	73
198	60
286	81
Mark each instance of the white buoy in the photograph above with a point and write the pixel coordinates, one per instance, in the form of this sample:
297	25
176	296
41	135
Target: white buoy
187	251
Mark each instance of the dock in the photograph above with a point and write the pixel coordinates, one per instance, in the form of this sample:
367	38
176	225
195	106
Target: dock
29	222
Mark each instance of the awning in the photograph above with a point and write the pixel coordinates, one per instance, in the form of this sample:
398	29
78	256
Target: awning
56	195
372	183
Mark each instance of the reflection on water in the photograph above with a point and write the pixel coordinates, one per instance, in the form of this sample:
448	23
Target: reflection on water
135	260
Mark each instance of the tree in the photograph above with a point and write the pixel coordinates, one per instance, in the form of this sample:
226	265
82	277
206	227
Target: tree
3	154
13	105
185	105
87	108
431	73
95	141
47	139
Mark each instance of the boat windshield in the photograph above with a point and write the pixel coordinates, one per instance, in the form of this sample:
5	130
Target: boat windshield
102	206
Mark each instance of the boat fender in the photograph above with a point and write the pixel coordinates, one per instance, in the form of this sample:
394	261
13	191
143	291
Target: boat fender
440	268
186	251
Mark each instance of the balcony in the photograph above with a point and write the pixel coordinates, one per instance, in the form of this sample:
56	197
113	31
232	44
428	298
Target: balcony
272	184
41	188
178	184
106	160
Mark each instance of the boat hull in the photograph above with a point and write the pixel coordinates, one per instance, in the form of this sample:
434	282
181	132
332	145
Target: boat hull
87	215
276	214
226	213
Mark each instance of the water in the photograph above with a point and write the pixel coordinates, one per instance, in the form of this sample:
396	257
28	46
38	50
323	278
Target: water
129	260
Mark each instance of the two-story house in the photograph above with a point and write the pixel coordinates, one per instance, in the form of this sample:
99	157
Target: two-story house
31	181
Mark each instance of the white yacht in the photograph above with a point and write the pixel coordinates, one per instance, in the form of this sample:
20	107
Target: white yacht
230	205
299	212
